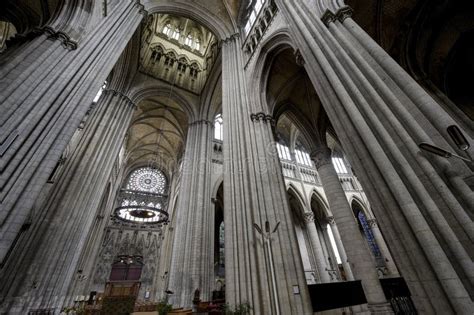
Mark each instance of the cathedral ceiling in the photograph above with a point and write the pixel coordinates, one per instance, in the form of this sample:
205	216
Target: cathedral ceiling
28	14
430	39
293	100
157	134
216	15
178	50
383	20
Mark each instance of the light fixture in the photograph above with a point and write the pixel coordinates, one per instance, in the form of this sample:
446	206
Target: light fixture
458	138
440	152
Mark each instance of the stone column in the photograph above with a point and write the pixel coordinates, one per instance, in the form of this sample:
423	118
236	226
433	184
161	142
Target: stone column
192	264
389	263
45	91
40	273
358	254
321	262
380	115
340	248
254	192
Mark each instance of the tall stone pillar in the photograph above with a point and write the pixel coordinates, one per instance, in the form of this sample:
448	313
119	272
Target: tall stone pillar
45	91
41	271
380	115
340	248
192	266
379	240
254	192
358	254
317	248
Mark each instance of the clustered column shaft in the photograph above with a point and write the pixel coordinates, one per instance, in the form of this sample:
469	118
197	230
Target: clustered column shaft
61	228
317	248
192	264
360	259
380	115
254	192
46	91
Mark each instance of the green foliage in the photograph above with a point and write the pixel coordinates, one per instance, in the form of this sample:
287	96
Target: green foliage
239	309
163	307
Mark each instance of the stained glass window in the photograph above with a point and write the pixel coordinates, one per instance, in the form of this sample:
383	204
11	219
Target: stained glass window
198	44
189	40
369	235
283	152
147	179
253	15
302	157
176	34
339	165
218	128
167	29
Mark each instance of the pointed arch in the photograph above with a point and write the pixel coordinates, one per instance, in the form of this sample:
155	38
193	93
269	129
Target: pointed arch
297	204
318	205
358	205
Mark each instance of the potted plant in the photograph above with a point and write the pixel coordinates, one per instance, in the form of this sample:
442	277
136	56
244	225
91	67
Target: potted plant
163	307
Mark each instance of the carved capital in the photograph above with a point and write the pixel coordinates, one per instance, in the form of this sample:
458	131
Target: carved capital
372	222
299	58
141	8
230	38
344	13
121	95
328	17
321	157
308	217
64	38
262	117
331	220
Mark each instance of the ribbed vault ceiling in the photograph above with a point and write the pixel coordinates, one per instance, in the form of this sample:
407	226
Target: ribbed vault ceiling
157	134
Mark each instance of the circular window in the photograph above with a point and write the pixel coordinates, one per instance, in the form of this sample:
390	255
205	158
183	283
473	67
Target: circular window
147	179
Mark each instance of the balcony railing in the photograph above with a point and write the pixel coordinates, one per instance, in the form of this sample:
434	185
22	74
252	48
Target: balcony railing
295	170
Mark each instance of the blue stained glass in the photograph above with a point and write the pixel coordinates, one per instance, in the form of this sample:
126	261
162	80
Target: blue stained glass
369	235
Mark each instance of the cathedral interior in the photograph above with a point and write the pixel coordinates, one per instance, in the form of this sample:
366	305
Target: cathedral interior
236	157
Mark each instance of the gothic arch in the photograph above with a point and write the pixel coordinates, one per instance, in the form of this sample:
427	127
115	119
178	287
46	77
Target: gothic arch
222	28
297	194
270	48
211	96
297	204
323	206
356	203
307	133
217	185
149	88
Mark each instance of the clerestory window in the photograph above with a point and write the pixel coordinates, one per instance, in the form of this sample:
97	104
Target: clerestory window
303	158
176	34
167	29
339	165
189	40
283	152
253	15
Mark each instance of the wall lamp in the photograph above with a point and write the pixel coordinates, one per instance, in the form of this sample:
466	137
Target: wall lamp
457	137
